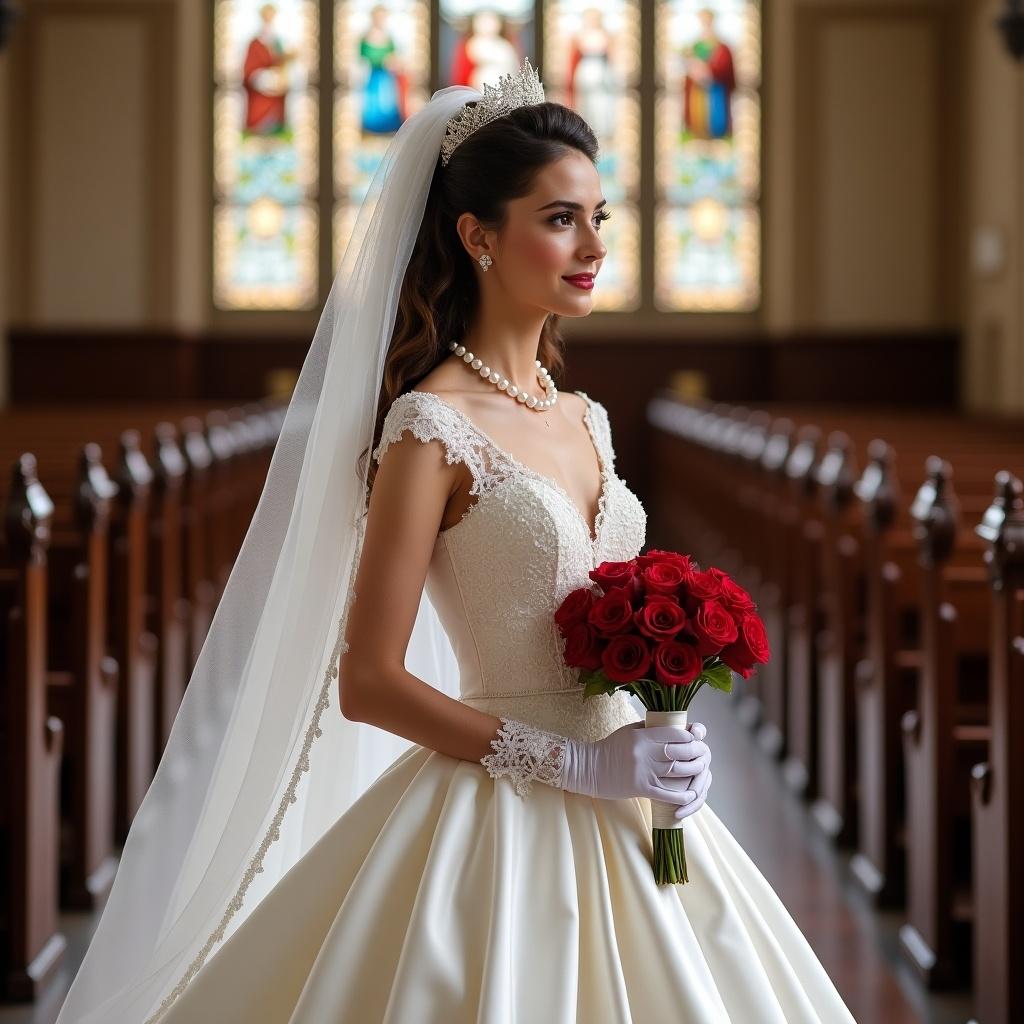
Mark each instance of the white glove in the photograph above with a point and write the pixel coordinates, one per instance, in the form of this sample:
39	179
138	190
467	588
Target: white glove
666	763
700	782
658	763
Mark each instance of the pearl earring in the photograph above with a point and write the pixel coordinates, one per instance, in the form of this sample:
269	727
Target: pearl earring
485	261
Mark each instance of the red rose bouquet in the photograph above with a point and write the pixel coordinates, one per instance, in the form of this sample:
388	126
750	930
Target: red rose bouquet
660	627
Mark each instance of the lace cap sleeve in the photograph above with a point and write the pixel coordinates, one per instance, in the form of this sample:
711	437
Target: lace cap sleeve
427	419
602	428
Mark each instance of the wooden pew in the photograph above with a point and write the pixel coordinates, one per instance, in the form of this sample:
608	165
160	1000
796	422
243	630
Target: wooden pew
31	739
901	638
751	441
840	640
83	676
200	589
884	689
132	645
997	789
942	738
779	521
114	614
99	538
167	607
804	533
129	649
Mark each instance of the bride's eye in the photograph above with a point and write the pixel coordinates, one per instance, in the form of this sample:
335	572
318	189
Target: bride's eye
602	216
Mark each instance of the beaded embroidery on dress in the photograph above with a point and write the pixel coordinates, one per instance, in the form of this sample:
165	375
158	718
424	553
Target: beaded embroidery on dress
453	891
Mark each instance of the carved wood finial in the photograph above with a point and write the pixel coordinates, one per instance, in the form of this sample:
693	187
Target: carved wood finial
1002	526
29	512
935	512
836	472
878	487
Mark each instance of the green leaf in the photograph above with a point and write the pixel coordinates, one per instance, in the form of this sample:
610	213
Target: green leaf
720	677
595	682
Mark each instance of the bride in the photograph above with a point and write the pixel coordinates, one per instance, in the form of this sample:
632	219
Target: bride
384	797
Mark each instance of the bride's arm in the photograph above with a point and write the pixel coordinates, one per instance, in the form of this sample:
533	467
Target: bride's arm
407	503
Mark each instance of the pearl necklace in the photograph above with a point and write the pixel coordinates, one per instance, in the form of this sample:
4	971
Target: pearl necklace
503	384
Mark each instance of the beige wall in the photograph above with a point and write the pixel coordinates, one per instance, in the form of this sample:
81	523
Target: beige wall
93	232
994	201
5	225
893	133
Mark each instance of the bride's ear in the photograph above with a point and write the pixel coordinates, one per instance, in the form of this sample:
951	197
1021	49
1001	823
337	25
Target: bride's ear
473	235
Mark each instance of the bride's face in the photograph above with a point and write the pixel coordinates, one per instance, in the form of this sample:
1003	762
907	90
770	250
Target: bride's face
551	234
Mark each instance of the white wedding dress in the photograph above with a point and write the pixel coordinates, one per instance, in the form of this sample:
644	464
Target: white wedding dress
443	897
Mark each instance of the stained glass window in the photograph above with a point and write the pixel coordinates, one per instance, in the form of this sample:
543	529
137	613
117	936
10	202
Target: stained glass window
592	64
266	154
381	77
384	63
707	162
481	40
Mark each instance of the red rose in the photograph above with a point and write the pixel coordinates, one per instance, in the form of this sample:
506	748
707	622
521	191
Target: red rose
734	597
660	618
664	577
583	647
660	555
609	575
750	647
737	664
635	589
612	613
713	627
704	586
574	609
626	658
676	664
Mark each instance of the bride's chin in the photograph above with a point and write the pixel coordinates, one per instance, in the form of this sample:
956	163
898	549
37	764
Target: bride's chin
582	308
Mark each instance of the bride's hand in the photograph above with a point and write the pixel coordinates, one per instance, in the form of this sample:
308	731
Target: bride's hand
689	770
634	761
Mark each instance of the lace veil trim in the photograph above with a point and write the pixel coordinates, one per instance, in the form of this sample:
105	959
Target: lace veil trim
313	731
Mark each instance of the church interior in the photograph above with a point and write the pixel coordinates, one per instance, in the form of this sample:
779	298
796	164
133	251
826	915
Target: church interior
808	333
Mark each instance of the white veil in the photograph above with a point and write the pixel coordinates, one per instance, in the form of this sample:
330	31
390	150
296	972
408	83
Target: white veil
232	805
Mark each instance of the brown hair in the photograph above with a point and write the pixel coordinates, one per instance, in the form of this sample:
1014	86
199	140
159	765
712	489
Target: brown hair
439	293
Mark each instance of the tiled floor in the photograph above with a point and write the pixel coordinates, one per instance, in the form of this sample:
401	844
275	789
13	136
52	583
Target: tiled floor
857	945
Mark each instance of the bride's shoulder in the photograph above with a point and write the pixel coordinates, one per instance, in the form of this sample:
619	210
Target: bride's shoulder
427	416
600	422
573	401
598	412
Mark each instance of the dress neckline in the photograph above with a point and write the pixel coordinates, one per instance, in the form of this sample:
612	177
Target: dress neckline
592	535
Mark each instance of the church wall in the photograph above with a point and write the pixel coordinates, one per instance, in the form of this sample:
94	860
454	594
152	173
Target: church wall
994	319
859	104
871	244
866	123
5	227
192	161
92	177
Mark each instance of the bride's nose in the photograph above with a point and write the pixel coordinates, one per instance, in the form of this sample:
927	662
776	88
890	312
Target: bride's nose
593	248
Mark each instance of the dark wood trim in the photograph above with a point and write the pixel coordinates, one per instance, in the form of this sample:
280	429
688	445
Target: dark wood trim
908	369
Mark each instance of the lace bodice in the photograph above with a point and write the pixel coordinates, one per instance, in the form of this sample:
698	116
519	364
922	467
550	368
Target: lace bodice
497	576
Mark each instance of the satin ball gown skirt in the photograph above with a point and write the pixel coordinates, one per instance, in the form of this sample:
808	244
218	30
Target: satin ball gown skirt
442	897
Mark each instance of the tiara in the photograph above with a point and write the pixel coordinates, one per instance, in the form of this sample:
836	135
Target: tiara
516	89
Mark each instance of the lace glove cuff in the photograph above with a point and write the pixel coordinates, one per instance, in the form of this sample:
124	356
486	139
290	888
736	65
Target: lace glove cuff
525	753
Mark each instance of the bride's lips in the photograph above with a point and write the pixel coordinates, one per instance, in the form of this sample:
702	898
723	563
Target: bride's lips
584	281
